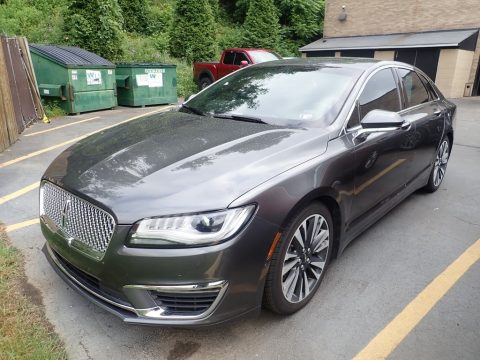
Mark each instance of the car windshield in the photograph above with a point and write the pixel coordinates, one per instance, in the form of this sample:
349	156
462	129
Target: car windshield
284	95
263	56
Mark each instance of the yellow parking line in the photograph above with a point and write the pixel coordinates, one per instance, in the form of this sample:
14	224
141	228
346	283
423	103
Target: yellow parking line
385	342
39	152
62	126
18	193
21	225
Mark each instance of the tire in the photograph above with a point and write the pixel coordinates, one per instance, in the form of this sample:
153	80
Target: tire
439	166
204	82
285	292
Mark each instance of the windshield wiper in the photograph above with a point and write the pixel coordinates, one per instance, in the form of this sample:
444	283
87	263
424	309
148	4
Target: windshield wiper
192	110
240	118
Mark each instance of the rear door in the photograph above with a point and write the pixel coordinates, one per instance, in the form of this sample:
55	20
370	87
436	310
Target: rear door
423	109
381	160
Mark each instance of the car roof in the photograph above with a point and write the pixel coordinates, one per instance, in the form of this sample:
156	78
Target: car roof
358	63
247	49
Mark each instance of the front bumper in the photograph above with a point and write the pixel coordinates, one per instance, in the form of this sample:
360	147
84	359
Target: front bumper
154	286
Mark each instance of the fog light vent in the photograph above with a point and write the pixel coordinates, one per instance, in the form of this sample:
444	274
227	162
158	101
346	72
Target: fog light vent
185	303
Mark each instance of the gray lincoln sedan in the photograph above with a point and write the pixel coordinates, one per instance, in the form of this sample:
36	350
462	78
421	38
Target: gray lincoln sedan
242	196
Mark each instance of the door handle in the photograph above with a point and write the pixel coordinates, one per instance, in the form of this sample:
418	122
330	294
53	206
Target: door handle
438	112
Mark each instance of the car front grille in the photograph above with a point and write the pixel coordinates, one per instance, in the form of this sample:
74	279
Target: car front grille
188	303
77	218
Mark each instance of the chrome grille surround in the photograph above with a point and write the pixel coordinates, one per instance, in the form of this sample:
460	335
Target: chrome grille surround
84	225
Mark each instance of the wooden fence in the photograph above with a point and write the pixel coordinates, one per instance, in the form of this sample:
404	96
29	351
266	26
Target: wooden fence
20	102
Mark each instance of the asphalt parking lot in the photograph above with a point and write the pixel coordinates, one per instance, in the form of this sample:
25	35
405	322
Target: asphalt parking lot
407	281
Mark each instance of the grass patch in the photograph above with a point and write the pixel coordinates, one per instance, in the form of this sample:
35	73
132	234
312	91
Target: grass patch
24	331
52	108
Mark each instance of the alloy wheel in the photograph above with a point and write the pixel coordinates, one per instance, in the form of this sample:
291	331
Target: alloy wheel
440	165
305	258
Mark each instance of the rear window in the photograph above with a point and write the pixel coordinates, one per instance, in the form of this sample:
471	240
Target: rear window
229	57
263	56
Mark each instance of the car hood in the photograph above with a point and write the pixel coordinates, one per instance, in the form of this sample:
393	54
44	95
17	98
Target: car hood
176	163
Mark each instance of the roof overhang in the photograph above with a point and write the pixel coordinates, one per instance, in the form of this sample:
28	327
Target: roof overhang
464	39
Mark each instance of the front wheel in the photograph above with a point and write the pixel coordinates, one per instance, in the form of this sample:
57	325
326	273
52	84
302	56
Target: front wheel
204	82
300	260
439	166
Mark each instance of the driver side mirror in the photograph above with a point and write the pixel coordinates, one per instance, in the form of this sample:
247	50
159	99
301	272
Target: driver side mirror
381	121
243	63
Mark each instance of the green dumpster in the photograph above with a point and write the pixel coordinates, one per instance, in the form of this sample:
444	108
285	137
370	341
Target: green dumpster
146	84
78	79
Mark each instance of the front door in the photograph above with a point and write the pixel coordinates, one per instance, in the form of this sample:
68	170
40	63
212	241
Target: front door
381	160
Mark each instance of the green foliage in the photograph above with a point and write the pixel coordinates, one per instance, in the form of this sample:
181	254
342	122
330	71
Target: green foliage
40	21
160	18
229	37
52	108
192	36
261	26
24	331
301	20
135	15
95	25
215	6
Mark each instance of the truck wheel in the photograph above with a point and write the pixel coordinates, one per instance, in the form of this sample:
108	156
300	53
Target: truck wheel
204	82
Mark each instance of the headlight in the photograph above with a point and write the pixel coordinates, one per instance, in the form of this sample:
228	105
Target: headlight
190	230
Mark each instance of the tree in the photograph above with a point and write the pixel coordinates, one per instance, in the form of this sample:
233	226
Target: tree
135	14
192	35
95	25
301	20
261	27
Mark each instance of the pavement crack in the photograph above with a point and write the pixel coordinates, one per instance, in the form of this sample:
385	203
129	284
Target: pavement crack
85	349
466	221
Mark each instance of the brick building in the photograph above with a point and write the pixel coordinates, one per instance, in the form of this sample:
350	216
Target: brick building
438	36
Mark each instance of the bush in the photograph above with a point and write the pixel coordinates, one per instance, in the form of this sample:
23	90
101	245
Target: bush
229	37
95	25
301	20
160	18
135	15
40	21
192	36
261	28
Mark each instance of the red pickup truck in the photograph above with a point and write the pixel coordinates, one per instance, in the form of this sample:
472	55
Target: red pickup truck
205	73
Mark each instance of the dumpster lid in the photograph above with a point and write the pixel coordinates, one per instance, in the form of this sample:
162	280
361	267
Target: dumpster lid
143	65
70	55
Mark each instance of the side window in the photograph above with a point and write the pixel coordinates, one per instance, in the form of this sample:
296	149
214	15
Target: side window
380	93
240	57
229	58
414	89
431	91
